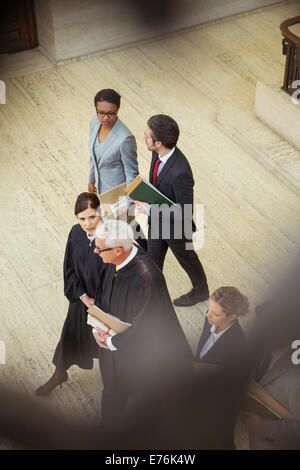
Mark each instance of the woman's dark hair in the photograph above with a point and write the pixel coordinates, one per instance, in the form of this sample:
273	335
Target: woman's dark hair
109	95
164	129
86	201
231	301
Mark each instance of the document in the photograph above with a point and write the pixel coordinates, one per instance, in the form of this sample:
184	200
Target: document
258	401
116	325
114	201
141	190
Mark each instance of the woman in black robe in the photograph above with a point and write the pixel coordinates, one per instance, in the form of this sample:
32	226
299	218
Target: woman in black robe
82	273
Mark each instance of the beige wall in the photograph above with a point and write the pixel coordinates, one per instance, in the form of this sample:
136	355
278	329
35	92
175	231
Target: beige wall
73	28
46	31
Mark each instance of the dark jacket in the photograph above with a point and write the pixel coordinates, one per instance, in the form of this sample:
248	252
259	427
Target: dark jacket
176	182
221	390
230	348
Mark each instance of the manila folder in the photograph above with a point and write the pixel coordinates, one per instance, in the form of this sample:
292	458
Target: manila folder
260	402
110	320
110	197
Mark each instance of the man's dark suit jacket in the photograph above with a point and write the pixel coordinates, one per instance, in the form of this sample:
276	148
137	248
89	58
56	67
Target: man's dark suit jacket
176	182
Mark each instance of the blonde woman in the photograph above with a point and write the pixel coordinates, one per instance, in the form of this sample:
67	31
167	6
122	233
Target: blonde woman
222	341
221	366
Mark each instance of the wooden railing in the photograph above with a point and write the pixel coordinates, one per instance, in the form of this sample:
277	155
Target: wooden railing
291	48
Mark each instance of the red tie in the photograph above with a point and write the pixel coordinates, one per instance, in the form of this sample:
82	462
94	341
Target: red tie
155	170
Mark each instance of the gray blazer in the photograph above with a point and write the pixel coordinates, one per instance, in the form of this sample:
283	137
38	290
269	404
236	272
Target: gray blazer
118	160
282	381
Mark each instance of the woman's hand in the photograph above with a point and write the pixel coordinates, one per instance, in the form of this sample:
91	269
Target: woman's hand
92	188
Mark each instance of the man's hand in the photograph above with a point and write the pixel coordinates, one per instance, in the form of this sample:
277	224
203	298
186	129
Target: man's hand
101	337
92	188
251	420
142	207
87	300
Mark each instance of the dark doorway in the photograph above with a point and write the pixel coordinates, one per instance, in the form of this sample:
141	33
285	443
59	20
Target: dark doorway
18	30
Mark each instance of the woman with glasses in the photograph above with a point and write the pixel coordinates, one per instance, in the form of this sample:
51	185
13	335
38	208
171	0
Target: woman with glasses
82	272
113	157
113	151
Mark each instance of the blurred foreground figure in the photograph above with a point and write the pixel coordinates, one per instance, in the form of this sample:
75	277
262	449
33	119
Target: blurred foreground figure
195	415
277	367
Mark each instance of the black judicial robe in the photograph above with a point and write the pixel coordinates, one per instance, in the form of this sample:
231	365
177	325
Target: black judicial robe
82	272
153	352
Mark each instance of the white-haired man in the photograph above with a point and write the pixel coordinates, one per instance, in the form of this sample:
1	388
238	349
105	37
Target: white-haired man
149	356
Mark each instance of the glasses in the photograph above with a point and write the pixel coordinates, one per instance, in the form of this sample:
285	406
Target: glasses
109	114
98	251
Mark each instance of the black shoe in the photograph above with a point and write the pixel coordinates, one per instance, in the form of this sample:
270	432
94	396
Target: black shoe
58	378
191	298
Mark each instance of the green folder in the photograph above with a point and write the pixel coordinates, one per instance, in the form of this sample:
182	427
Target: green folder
141	190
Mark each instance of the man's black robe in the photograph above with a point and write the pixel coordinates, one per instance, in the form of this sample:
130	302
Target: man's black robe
153	353
82	273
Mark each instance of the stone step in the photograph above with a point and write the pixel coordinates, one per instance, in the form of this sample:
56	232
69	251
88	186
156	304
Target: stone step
262	143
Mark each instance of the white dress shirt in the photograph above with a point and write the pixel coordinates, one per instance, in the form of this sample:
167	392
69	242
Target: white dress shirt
212	339
129	258
90	239
120	266
163	161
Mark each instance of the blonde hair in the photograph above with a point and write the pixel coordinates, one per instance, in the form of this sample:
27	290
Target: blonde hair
231	300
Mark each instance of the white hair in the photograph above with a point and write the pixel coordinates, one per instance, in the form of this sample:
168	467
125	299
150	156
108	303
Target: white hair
116	233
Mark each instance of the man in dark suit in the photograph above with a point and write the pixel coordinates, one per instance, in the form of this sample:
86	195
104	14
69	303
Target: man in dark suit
171	174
